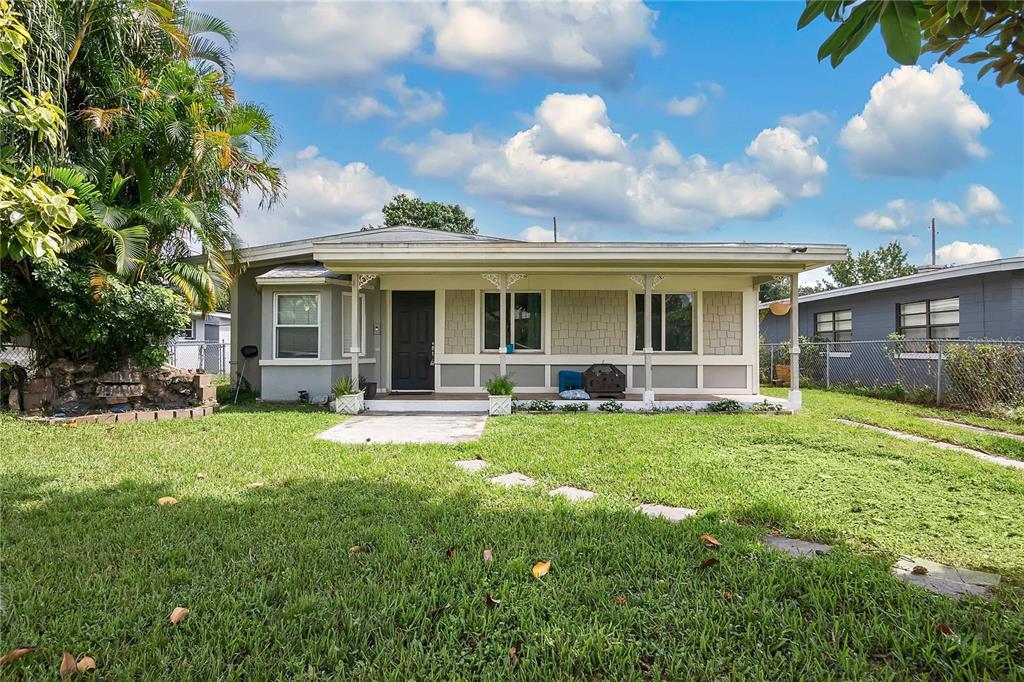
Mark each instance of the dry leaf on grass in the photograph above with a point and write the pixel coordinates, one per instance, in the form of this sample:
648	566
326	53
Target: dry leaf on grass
255	486
166	500
513	653
359	549
68	665
491	601
15	654
86	664
200	476
944	629
710	542
438	612
708	563
728	596
178	615
72	425
620	600
488	555
450	552
919	570
540	569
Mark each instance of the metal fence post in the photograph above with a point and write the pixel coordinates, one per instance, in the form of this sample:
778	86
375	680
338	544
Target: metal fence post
771	365
938	375
828	364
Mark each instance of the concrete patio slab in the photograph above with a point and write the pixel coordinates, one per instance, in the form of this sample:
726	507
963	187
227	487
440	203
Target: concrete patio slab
1003	461
572	494
794	547
943	579
661	511
407	428
513	480
471	464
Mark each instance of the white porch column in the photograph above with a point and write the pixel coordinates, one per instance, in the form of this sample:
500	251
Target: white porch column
502	322
354	334
795	399
648	341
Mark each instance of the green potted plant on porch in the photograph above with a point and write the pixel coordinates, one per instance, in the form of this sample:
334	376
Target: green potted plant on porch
499	394
348	399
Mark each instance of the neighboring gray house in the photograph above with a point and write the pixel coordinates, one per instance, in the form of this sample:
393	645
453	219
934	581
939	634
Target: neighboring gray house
975	301
439	313
203	344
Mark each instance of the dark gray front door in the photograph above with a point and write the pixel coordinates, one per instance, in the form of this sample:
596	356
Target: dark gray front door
412	340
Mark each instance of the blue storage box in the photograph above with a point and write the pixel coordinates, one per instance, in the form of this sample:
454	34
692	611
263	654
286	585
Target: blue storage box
568	380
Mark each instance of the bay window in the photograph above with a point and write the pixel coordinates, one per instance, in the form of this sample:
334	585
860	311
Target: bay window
297	326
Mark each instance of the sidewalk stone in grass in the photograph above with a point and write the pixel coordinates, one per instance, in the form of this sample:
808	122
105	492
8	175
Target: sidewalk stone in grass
794	547
471	464
513	479
673	514
948	580
572	494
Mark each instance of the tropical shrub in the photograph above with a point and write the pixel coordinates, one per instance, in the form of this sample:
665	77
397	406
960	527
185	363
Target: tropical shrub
727	405
67	318
984	376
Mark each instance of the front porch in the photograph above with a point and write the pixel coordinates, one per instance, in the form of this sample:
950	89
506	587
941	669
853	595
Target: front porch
476	403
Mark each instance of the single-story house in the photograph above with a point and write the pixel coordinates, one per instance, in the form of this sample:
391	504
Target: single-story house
975	301
203	343
440	313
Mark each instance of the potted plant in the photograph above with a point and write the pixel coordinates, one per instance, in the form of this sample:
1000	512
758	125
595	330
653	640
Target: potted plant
499	394
348	399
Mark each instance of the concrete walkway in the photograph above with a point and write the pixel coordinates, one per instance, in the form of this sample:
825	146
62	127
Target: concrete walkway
976	429
407	428
1004	461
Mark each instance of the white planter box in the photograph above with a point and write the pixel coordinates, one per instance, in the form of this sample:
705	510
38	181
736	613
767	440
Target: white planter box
499	404
349	404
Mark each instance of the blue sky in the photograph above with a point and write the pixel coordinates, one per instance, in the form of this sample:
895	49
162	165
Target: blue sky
685	121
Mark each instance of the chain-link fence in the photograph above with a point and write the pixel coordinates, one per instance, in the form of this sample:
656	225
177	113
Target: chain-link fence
18	356
979	375
211	357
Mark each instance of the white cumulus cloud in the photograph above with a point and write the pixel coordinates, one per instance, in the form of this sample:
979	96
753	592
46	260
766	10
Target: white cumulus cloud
587	173
324	197
959	253
917	123
984	204
687	106
812	121
408	104
308	42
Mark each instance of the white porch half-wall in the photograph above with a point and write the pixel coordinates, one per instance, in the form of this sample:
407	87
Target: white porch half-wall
485	363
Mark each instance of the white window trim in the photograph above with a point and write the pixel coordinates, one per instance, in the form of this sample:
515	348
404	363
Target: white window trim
693	322
512	328
347	320
319	312
190	335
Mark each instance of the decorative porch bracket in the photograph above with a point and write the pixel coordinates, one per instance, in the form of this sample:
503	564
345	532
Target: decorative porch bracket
359	281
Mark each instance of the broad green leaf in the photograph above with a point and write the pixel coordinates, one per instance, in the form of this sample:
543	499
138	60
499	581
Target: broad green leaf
902	32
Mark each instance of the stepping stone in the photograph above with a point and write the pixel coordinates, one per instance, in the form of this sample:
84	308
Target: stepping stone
572	494
471	464
661	511
794	547
942	579
513	479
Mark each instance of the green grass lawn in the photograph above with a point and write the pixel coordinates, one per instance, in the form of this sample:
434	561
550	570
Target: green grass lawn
91	563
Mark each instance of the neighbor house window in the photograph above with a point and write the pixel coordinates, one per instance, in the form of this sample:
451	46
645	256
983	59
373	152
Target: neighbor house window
297	325
522	320
937	319
835	325
671	322
189	332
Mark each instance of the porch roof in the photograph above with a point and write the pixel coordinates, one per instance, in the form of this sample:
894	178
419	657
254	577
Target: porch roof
411	250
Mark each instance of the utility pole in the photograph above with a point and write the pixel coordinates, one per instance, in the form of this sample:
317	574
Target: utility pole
554	224
933	242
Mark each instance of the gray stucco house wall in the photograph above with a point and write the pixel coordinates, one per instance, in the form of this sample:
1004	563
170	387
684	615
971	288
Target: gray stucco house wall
991	303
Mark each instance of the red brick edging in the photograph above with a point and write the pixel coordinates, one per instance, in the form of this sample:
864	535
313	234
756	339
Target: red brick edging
134	416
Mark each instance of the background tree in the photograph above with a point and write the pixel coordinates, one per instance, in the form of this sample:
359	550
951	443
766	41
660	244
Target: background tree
885	262
910	27
434	215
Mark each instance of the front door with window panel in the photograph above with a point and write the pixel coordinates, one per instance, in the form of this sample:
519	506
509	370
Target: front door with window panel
412	340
